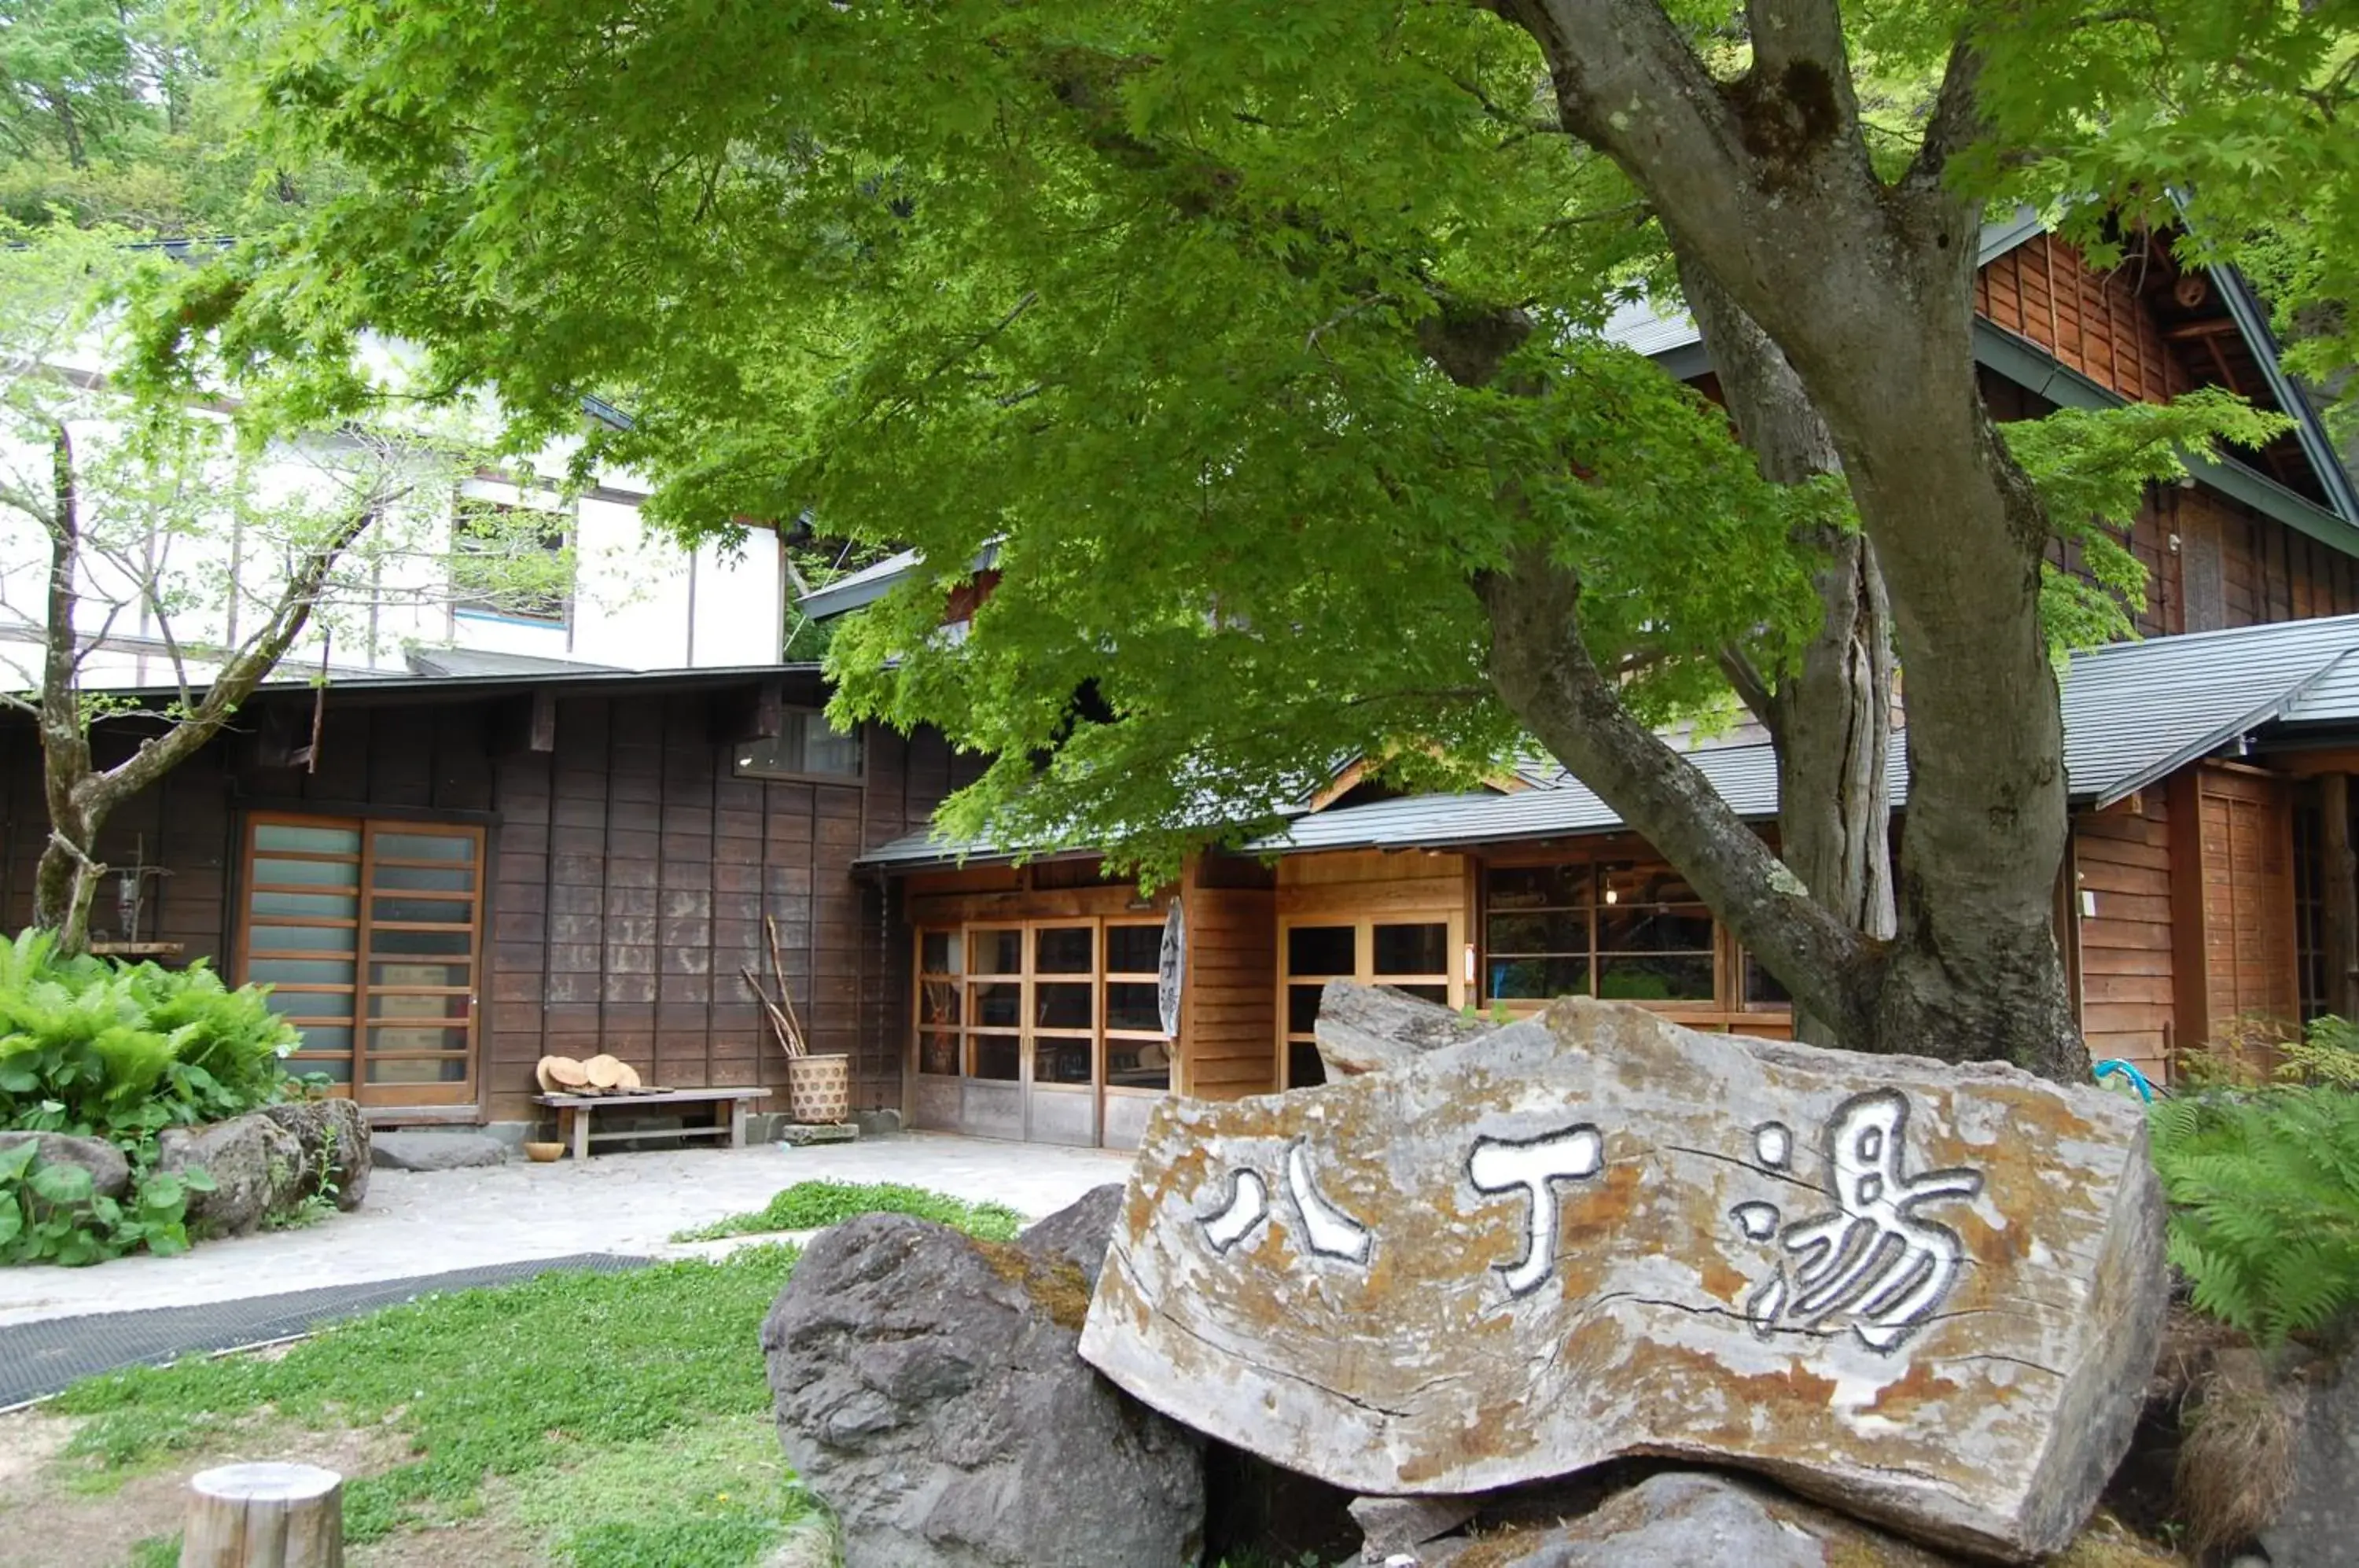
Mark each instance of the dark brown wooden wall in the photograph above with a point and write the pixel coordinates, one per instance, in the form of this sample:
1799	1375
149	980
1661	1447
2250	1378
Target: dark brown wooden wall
630	872
2212	561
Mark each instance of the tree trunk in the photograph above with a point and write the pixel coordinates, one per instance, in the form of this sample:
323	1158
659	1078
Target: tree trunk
1831	720
70	128
78	794
1767	184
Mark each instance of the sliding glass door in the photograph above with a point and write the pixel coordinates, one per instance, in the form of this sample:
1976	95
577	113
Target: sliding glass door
370	934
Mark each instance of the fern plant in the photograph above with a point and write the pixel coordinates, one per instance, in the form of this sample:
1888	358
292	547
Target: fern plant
2264	1189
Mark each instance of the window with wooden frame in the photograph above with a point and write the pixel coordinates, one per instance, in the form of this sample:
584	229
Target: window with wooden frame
511	561
1064	1005
1409	951
806	746
941	969
1620	930
1082	993
370	932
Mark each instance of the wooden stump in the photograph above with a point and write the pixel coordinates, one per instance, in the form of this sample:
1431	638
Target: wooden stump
265	1515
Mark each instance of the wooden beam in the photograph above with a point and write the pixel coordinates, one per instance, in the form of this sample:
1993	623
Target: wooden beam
2317	764
2339	885
2220	363
521	725
757	712
2187	332
2189	978
280	738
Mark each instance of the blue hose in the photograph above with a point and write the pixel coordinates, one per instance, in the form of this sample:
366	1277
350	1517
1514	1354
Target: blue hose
2115	1067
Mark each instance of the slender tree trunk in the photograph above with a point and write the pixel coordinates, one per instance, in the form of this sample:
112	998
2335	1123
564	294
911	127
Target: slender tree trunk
1831	720
67	876
70	129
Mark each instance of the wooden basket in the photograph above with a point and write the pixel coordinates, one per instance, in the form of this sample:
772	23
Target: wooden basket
819	1089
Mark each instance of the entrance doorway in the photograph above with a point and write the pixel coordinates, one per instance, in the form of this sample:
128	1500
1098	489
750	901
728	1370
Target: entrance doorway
1045	1030
1413	955
370	933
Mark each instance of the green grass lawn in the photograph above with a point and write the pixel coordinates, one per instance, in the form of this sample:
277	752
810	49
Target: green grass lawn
808	1205
622	1420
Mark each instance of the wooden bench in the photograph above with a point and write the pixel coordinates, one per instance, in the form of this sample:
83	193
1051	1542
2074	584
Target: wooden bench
729	1108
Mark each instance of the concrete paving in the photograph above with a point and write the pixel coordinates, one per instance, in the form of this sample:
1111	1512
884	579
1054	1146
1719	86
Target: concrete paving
417	1222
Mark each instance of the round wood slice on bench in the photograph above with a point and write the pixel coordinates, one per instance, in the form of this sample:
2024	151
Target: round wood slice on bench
557	1074
605	1071
630	1078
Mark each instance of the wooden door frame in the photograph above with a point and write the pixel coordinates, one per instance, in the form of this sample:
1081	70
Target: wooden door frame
1451	918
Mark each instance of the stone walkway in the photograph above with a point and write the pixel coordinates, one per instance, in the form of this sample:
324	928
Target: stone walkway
417	1222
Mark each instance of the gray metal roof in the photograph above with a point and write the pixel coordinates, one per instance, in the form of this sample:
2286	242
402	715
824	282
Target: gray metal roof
462	661
294	683
2133	714
2331	698
871	584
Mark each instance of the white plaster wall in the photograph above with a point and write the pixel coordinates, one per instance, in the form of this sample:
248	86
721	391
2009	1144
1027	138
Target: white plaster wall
639	603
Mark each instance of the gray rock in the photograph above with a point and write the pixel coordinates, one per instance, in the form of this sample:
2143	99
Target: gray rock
334	1137
1927	1293
416	1150
1688	1518
928	1391
256	1168
1077	1233
110	1174
2319	1524
1392	1525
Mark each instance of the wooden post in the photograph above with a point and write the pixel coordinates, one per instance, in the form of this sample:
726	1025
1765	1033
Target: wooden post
2339	877
267	1515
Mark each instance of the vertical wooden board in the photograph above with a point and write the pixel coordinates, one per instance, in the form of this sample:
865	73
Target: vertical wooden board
401	758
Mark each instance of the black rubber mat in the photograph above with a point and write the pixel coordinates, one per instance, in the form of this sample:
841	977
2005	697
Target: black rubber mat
38	1358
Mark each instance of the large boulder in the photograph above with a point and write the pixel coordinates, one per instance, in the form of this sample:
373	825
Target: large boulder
256	1168
928	1392
334	1138
1929	1294
110	1174
1685	1519
1077	1233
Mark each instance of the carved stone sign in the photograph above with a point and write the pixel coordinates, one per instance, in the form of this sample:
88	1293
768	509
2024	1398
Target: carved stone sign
1928	1293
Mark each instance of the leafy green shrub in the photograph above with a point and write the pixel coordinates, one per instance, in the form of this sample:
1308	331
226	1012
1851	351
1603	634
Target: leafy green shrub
99	1049
808	1205
2264	1189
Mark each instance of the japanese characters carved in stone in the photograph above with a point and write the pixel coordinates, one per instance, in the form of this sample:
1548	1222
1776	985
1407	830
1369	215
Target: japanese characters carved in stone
1927	1293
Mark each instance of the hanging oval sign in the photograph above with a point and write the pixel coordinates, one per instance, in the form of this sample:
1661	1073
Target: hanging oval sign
1172	968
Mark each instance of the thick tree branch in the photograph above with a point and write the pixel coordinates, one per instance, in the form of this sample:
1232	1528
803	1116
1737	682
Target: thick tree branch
1956	122
1546	678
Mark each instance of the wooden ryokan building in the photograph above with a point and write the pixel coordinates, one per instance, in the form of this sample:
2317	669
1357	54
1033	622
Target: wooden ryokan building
468	871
